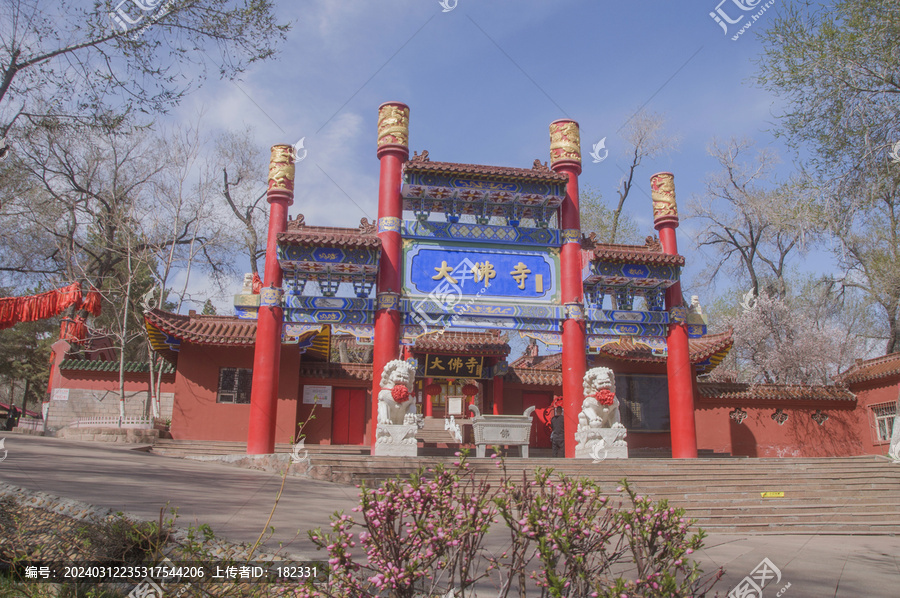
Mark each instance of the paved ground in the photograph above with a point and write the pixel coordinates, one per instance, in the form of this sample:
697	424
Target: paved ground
236	503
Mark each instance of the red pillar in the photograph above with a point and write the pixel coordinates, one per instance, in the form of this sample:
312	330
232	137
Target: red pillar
393	151
429	402
565	157
678	362
269	324
497	390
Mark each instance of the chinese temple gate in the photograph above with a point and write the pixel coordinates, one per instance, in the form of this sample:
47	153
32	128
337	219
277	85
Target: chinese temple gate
461	247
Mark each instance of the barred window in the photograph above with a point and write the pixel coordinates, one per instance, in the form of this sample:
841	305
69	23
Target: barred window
234	385
643	402
884	420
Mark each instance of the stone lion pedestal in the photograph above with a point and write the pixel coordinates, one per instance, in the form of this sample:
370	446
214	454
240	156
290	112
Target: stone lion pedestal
600	443
396	440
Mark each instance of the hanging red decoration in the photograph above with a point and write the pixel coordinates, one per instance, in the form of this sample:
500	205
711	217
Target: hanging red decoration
470	390
605	397
257	283
91	303
73	330
400	393
38	307
432	389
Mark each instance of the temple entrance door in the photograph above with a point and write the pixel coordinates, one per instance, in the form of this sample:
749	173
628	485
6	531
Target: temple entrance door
348	416
540	433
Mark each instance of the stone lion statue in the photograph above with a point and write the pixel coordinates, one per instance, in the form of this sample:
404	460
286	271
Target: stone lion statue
595	412
391	411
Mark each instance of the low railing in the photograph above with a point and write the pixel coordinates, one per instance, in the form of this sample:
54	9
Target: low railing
133	423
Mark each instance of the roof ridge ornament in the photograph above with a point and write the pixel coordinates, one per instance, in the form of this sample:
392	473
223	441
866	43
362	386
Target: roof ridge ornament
298	222
420	158
540	166
653	244
366	227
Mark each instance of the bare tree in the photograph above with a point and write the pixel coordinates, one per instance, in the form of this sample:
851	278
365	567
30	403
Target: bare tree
645	138
753	223
243	186
79	60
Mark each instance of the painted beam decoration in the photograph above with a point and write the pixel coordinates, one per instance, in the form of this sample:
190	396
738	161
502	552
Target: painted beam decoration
427	192
481	233
328	310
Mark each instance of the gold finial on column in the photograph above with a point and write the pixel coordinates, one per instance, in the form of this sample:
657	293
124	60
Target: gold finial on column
662	191
393	126
281	168
565	143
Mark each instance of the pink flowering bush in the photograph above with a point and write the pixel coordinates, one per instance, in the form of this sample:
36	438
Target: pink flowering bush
425	537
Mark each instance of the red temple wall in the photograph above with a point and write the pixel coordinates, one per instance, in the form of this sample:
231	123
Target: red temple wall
760	436
196	414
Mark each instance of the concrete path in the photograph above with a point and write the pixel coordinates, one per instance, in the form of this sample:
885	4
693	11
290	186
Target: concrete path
236	503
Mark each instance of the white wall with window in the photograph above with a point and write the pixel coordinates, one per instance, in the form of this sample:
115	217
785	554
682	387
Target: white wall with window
884	414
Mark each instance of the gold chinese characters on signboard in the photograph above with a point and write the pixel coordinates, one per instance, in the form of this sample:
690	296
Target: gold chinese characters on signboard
453	366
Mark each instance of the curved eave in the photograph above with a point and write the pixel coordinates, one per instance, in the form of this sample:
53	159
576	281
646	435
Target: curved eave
487	173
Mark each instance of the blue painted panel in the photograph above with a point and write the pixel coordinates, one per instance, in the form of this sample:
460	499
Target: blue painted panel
450	271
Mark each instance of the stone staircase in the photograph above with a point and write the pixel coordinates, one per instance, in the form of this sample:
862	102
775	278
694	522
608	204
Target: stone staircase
184	448
853	495
433	434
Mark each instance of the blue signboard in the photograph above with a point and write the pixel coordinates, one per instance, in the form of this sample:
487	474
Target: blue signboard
444	270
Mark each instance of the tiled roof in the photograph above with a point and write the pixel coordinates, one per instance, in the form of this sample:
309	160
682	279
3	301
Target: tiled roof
298	233
734	391
470	343
482	171
649	253
344	371
208	330
96	365
546	369
870	369
533	377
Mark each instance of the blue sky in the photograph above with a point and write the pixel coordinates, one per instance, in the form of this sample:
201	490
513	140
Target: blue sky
483	82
